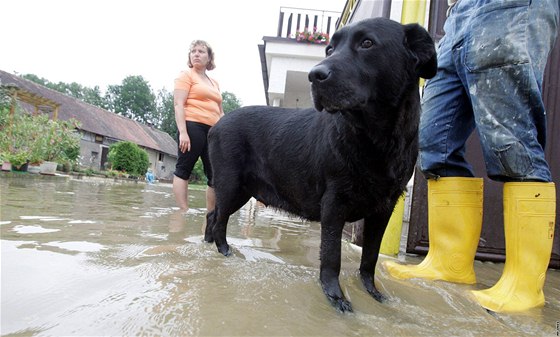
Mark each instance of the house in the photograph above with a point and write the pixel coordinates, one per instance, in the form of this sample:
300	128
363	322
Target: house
99	128
285	64
285	61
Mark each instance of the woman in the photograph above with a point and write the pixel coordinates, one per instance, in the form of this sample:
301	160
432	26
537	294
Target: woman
198	106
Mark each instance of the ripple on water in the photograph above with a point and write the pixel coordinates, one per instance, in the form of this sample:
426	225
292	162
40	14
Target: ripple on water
33	229
41	218
81	222
255	255
76	246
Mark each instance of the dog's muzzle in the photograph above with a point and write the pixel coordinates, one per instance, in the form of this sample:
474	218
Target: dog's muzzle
319	76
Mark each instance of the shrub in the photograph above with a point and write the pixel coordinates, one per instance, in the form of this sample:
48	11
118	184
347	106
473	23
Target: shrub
128	157
59	141
197	174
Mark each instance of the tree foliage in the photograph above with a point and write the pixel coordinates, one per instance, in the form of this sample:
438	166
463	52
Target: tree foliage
128	157
167	113
89	95
134	99
230	102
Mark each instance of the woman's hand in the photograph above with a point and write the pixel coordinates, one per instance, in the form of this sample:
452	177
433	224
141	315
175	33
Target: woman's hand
184	142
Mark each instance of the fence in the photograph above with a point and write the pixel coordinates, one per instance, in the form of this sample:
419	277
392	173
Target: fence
294	20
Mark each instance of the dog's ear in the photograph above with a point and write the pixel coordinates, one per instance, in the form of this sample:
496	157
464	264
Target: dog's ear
421	45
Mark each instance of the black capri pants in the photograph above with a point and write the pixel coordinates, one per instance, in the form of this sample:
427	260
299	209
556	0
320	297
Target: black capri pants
198	134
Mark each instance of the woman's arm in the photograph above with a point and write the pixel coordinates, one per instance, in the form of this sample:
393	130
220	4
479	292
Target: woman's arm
179	100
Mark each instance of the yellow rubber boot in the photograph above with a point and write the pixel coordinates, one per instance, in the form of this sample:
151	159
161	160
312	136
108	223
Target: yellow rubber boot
529	215
454	224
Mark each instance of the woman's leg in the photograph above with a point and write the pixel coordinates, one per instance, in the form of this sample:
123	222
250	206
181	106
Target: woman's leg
186	161
210	194
181	192
210	199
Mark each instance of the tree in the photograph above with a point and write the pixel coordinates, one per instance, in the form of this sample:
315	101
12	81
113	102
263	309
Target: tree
133	99
166	112
88	95
230	102
93	97
36	79
129	157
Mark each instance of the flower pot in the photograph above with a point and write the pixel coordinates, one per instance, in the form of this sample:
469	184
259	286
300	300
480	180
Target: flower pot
6	166
48	168
36	169
21	168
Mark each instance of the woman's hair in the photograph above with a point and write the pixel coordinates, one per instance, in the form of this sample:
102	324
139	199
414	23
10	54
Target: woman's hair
211	65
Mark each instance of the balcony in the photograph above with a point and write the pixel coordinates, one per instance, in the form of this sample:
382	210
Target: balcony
285	61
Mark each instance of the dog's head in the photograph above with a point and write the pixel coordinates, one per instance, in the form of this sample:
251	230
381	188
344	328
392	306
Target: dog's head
373	60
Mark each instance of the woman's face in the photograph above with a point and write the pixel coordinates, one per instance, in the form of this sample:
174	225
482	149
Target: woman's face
199	56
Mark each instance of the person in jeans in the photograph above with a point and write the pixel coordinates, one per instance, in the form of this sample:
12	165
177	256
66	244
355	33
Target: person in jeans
491	63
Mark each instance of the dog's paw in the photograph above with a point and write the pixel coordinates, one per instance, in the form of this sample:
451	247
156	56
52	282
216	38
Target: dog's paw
341	304
367	281
379	297
225	249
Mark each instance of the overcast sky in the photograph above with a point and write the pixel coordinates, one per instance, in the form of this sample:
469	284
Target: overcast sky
100	42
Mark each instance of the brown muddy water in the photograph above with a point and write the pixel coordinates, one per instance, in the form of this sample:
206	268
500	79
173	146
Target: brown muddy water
104	258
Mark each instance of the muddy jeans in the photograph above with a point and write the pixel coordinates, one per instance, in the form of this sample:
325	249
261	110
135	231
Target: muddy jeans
490	73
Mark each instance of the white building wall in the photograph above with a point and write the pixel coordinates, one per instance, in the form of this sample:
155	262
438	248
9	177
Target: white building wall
295	59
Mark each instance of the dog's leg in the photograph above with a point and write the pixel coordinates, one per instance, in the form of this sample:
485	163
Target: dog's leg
331	236
224	208
374	228
219	232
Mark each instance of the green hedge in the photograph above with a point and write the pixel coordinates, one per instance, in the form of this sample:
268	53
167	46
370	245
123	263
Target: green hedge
128	157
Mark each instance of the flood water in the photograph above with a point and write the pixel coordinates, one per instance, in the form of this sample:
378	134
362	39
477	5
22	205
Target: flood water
99	257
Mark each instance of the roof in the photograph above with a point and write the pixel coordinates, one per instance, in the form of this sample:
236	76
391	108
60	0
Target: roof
97	120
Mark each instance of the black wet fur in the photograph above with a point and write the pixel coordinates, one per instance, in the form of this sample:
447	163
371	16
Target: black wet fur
349	158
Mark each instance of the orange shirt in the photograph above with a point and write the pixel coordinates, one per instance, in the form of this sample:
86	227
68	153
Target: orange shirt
203	101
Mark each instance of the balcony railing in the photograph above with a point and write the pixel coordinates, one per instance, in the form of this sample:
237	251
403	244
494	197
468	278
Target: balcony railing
294	20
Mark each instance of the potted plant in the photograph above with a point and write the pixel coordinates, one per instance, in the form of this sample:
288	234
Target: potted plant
35	159
37	140
50	145
16	136
6	165
18	160
60	144
36	149
314	36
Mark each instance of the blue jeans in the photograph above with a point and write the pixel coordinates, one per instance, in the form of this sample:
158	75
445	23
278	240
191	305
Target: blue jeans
490	72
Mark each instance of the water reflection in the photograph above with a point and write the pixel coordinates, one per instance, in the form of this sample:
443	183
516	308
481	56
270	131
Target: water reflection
105	258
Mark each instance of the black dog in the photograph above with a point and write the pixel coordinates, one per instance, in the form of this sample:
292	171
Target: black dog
351	162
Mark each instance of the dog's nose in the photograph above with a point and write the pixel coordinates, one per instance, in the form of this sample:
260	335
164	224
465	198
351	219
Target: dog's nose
319	73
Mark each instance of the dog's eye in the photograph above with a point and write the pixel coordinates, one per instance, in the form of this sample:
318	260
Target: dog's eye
329	50
367	44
